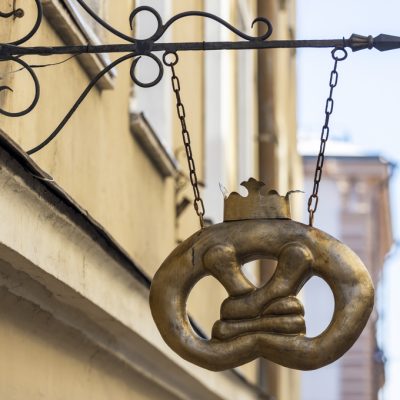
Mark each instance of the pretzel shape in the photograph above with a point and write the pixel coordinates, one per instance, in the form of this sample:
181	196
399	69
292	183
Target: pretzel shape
267	321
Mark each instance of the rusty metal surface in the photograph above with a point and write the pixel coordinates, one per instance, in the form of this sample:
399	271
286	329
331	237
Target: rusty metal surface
267	321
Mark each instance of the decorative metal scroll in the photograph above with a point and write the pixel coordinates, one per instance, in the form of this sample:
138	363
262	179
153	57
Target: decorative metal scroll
17	13
135	48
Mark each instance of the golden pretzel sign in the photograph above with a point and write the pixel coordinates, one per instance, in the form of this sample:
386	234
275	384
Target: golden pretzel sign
267	321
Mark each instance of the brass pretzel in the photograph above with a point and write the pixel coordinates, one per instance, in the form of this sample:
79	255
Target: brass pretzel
247	330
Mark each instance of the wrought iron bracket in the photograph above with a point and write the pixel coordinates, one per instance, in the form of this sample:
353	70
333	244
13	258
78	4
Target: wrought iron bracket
134	49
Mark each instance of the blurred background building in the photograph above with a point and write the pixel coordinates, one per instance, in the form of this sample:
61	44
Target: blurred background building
86	222
354	208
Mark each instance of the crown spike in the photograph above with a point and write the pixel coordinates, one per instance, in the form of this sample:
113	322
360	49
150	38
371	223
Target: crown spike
260	203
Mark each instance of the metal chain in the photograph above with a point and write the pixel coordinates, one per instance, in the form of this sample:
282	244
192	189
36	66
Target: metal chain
180	108
338	54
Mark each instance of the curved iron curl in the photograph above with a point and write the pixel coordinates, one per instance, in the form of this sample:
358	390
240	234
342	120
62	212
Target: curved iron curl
81	98
17	13
156	80
35	100
162	28
104	24
35	28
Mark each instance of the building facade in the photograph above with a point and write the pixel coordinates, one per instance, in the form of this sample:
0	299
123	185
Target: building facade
354	207
86	222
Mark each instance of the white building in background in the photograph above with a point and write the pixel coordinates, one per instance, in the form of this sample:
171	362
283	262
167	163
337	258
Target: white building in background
353	207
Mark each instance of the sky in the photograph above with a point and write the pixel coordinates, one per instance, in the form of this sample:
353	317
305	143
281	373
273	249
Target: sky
366	112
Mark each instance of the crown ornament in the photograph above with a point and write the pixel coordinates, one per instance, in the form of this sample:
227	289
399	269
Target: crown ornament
260	203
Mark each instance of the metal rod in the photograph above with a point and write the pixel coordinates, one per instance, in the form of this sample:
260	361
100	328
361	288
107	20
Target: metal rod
146	46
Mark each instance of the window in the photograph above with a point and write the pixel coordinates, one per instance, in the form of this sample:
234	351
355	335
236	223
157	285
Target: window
85	22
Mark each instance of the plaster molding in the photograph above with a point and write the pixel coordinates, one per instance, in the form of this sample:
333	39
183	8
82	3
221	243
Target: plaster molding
77	32
152	145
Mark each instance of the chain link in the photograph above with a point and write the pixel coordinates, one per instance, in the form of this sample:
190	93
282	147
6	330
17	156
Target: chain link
180	108
314	199
333	81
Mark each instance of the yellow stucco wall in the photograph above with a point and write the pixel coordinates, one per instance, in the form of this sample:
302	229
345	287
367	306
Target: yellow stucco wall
44	359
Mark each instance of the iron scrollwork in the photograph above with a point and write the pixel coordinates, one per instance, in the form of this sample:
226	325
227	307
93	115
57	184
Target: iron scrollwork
137	48
20	13
27	67
17	13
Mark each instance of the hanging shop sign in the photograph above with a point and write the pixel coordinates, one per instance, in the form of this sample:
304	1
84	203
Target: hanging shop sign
255	322
267	321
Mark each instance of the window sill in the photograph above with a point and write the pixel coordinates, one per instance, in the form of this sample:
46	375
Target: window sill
152	146
72	33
